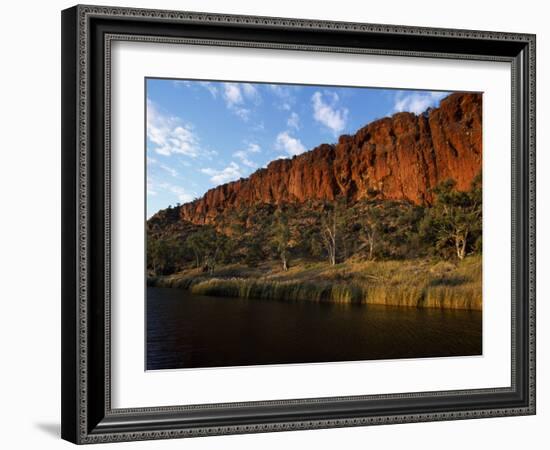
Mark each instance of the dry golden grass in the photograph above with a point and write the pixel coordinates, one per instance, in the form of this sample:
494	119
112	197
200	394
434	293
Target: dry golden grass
413	283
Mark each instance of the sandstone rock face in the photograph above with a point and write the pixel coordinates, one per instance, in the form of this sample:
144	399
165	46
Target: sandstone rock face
400	158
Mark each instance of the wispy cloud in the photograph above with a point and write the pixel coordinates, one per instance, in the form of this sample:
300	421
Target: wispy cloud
209	86
240	98
154	162
258	127
416	102
232	94
251	93
169	134
293	121
151	189
289	144
327	112
284	94
242	113
243	157
169	169
253	148
230	173
181	194
185	83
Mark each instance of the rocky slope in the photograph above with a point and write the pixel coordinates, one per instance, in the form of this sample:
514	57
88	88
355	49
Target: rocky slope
400	157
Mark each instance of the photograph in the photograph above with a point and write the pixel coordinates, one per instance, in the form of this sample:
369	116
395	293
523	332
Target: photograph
294	224
276	220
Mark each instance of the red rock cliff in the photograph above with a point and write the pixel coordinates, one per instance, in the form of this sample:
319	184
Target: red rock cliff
398	157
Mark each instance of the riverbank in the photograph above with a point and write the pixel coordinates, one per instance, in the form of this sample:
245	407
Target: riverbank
414	283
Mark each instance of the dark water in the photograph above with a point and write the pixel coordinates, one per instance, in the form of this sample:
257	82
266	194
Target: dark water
189	331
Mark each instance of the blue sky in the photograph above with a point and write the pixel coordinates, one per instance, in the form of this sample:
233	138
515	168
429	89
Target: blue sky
201	134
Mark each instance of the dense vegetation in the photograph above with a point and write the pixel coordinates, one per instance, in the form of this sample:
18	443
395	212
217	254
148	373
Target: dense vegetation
369	251
334	232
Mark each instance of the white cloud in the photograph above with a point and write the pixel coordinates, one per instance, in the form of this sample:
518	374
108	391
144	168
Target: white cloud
243	157
290	144
168	169
243	113
185	83
416	102
230	173
155	162
284	94
294	121
251	93
260	126
209	87
326	112
238	96
232	94
253	148
181	194
169	134
204	84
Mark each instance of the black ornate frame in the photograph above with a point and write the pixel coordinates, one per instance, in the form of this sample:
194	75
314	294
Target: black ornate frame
87	33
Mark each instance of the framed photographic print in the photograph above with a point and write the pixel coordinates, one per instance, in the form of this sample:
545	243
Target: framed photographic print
278	224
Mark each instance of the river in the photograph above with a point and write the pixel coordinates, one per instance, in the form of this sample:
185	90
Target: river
191	331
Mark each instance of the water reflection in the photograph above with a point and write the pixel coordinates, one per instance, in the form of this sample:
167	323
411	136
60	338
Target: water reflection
189	331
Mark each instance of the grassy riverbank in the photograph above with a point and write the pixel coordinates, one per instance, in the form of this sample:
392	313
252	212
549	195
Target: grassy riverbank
414	283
